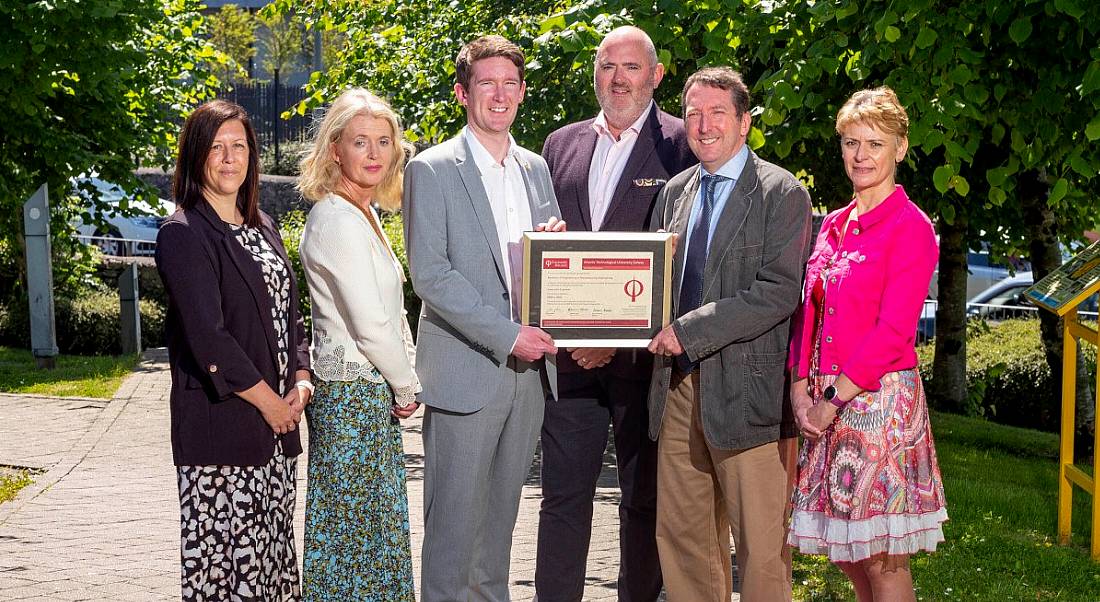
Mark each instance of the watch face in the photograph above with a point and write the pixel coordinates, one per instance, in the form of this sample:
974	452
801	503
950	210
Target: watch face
830	393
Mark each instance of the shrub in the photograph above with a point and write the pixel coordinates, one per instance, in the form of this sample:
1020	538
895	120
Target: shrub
1007	374
291	225
290	153
87	325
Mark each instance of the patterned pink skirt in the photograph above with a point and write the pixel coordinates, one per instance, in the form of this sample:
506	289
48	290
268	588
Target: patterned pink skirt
871	484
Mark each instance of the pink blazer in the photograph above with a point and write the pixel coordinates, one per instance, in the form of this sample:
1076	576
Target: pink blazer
876	286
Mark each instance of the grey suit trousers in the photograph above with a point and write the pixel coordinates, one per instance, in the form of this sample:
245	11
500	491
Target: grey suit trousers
475	468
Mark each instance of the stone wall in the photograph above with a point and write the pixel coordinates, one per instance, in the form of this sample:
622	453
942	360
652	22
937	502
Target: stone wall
277	193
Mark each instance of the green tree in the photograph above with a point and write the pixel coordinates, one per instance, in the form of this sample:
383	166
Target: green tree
283	43
233	33
1004	101
89	86
405	51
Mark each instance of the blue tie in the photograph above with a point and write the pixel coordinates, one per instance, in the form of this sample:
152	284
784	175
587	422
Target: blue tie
691	287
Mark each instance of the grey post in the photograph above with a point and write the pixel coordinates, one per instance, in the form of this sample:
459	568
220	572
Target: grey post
129	315
36	232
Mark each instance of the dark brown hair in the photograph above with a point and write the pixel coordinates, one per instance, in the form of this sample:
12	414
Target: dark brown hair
723	78
196	139
486	47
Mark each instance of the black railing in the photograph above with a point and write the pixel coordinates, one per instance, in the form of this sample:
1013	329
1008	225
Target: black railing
265	102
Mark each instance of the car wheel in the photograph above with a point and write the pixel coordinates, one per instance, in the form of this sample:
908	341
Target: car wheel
110	243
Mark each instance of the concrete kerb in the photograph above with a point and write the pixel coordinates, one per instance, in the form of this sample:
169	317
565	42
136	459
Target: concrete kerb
95	432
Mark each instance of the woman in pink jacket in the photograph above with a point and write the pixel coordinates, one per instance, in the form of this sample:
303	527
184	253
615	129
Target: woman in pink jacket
869	489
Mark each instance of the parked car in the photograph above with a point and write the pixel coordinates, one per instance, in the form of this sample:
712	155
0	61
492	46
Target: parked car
119	234
982	272
1001	301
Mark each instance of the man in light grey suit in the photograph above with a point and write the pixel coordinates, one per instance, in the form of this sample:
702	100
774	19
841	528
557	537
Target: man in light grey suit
467	203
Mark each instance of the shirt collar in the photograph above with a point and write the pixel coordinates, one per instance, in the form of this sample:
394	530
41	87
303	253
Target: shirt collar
482	158
600	124
885	209
731	169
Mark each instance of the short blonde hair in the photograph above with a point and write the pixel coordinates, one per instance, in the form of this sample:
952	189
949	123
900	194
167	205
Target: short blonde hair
878	107
319	171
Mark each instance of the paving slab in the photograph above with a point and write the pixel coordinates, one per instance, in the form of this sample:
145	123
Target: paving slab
101	521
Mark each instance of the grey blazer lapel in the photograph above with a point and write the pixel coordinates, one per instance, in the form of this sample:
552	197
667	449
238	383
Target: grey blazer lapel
539	210
734	214
479	200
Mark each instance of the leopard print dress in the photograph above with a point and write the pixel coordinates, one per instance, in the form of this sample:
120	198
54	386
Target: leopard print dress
236	522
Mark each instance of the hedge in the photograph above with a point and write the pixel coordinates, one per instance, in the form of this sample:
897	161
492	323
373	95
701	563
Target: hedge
1007	374
87	325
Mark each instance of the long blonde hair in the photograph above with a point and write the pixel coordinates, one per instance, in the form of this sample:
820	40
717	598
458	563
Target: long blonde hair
319	171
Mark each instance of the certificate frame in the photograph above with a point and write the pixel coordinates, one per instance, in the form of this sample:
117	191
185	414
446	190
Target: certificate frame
658	246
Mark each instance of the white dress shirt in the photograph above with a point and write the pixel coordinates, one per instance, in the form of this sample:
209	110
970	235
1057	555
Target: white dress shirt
355	285
511	210
608	163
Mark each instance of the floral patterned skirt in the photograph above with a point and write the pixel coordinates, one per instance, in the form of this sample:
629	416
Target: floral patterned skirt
237	527
871	484
357	517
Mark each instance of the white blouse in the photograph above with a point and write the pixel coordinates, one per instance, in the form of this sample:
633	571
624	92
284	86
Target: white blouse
355	284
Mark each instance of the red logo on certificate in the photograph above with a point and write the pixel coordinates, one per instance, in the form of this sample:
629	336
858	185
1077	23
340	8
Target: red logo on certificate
555	263
633	288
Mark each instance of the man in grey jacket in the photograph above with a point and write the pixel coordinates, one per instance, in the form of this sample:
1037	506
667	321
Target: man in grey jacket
717	399
467	203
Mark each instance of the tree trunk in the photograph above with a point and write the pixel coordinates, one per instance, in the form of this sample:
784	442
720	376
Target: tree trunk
1046	256
948	386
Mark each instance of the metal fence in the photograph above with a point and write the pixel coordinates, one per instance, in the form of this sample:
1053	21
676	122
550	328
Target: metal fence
265	102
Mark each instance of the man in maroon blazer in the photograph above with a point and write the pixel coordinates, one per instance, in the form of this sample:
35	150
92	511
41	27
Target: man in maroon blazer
606	173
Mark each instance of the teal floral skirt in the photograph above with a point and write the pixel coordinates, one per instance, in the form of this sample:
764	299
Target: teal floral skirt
357	514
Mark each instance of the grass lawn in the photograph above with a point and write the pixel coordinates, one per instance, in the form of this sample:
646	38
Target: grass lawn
75	375
1001	542
11	481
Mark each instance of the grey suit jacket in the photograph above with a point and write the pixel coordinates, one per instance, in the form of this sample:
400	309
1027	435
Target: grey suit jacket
752	283
465	334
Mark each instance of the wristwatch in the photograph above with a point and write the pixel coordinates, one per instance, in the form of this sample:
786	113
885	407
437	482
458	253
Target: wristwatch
830	395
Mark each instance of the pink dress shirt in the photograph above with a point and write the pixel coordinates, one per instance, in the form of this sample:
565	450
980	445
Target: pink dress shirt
876	284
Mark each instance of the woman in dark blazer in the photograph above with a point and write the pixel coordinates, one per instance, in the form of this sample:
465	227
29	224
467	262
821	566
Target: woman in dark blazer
240	367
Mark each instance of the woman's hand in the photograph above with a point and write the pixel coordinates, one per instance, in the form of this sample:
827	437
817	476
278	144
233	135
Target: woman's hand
404	412
818	419
280	415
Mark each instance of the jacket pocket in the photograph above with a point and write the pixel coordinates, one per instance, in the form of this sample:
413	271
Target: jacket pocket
763	387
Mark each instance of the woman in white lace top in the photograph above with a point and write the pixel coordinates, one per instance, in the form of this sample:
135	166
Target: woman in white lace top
357	528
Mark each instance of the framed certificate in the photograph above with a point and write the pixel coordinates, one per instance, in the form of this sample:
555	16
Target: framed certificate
597	289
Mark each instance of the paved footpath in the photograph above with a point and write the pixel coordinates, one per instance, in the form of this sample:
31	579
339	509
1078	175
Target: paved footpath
101	520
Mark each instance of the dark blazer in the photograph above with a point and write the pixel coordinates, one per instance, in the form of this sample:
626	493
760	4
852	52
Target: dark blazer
752	283
660	152
221	340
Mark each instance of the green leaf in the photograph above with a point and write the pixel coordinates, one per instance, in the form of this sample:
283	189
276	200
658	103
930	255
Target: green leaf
756	138
1091	81
1082	166
1020	30
926	37
960	185
1092	130
948	213
893	34
996	176
941	177
976	94
771	117
1058	191
1070	7
933	139
551	23
997	196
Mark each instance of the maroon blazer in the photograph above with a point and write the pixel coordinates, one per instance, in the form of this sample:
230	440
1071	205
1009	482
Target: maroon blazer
221	340
660	153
